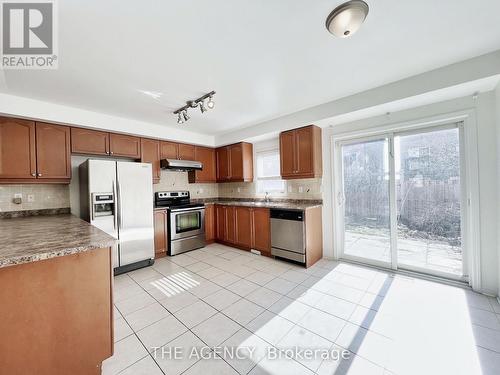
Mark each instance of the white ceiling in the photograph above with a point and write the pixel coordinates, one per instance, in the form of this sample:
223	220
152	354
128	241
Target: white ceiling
264	58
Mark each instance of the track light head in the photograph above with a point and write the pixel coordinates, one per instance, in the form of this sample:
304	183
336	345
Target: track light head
185	115
201	104
179	119
210	103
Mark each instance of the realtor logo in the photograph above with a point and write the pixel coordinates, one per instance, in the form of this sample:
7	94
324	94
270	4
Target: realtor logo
29	34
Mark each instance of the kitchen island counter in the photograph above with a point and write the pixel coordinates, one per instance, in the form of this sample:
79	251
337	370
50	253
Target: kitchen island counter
34	238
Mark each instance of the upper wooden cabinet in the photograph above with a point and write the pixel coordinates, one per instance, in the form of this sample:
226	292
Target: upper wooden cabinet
300	153
125	146
18	152
235	163
34	152
206	156
53	151
150	153
94	142
180	151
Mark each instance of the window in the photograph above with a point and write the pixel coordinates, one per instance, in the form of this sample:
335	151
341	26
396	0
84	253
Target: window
268	172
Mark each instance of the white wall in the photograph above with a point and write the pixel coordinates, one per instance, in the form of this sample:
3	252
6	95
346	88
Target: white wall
497	103
484	107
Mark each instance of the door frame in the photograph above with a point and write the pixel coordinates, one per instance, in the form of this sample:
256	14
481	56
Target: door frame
470	209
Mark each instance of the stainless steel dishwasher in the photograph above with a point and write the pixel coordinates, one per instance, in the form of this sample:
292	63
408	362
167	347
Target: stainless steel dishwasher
288	234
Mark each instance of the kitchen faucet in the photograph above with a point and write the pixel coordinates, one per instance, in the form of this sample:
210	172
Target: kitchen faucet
266	198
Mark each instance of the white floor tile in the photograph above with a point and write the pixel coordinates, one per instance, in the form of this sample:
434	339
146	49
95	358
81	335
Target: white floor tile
290	309
127	352
216	329
122	329
179	301
161	332
299	340
183	345
221	299
242	287
270	327
336	306
134	303
243	311
323	324
225	279
215	366
280	285
281	366
145	366
146	316
263	297
250	348
260	278
195	314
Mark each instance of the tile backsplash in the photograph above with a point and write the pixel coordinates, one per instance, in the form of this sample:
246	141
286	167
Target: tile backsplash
34	197
172	180
45	196
309	188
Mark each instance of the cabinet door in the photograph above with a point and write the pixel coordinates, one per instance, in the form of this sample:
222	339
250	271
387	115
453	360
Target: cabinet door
236	162
206	156
209	223
125	145
53	151
261	230
243	220
230	225
220	218
222	164
186	152
287	153
304	151
17	149
161	233
169	150
150	153
91	142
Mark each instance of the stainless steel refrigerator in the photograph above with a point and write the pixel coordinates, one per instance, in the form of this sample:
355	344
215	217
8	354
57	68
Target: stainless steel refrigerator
117	197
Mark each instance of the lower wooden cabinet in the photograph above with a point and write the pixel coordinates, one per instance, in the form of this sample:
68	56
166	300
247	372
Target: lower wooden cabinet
261	230
161	233
245	227
210	223
243	224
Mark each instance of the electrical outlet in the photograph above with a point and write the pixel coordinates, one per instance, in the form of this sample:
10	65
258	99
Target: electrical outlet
31	197
301	189
290	189
18	198
239	190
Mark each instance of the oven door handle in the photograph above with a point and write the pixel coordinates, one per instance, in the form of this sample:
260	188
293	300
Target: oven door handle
187	209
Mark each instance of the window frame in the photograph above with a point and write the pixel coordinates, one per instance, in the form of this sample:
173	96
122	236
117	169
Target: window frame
258	179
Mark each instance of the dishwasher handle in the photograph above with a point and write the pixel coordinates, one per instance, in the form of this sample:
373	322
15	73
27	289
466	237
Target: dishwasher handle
293	215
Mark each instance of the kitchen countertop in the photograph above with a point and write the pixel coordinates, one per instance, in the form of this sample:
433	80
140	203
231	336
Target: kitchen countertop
284	205
30	239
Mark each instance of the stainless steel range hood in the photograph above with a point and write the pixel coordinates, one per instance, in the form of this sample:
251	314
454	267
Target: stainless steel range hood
181	165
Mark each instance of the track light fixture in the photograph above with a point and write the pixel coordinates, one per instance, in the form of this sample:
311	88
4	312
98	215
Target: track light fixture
200	102
210	103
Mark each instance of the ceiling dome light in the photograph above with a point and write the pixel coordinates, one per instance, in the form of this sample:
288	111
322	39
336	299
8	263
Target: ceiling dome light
210	103
347	18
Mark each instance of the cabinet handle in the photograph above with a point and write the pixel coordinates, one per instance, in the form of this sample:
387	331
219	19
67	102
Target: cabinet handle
39	175
33	174
111	152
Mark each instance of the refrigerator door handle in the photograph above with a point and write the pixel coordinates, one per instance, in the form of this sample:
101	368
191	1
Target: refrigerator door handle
115	211
119	202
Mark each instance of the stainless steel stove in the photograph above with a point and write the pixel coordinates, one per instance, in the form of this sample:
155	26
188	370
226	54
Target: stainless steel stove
186	221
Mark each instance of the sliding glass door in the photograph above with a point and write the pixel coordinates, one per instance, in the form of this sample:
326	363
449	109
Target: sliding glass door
400	201
367	231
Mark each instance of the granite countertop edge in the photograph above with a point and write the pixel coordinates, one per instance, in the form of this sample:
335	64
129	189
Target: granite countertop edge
60	235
